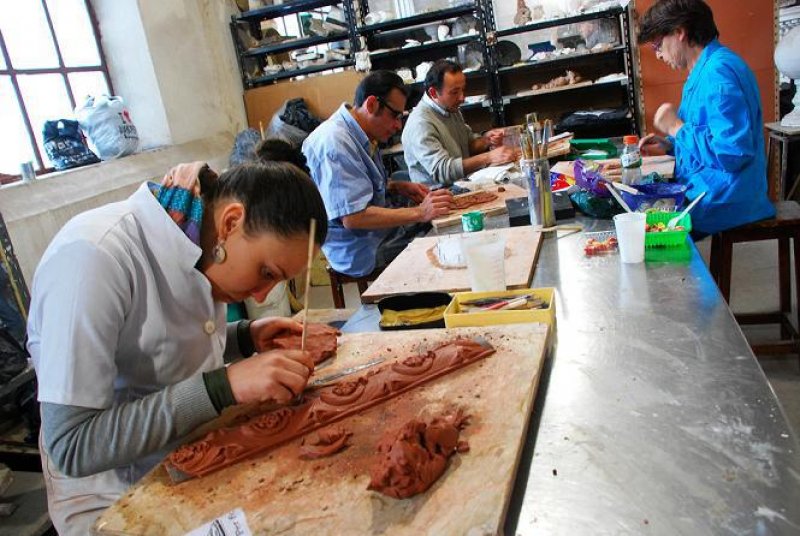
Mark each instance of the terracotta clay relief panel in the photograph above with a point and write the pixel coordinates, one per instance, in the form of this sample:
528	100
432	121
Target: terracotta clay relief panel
321	407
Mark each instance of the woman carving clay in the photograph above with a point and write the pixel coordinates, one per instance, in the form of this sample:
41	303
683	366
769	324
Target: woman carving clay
127	323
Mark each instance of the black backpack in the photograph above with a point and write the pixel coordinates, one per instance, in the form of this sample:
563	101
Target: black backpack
65	145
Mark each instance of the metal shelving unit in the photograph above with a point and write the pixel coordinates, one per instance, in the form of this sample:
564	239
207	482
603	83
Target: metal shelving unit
253	19
561	61
432	45
550	23
295	44
620	55
281	10
408	57
282	75
499	82
416	20
564	89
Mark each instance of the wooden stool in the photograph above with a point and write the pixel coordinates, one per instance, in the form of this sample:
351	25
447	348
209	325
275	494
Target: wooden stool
337	280
783	228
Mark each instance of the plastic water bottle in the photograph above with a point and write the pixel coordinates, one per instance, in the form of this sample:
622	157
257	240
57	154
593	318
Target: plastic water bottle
631	161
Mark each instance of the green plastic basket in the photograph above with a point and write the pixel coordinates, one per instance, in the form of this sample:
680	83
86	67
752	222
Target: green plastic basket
667	238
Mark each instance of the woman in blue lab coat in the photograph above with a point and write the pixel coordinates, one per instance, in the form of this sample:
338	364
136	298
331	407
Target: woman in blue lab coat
716	133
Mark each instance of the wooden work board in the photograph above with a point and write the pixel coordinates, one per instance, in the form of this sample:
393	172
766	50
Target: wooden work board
498	206
663	165
413	270
280	493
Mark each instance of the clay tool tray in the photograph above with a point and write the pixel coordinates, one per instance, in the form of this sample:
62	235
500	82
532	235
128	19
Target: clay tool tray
498	206
282	494
413	271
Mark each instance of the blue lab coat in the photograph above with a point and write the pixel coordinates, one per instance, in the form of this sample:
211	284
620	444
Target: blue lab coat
720	148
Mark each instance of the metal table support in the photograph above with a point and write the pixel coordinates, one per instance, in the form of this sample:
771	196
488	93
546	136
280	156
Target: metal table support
653	414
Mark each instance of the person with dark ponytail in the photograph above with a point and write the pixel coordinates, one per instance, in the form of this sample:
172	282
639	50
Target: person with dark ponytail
127	323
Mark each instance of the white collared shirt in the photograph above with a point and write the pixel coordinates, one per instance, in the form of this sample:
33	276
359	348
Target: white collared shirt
118	310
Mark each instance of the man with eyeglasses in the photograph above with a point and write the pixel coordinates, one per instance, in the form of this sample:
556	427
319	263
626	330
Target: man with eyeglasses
438	145
716	134
364	231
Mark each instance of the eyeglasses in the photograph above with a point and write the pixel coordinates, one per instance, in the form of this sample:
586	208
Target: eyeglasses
657	45
398	114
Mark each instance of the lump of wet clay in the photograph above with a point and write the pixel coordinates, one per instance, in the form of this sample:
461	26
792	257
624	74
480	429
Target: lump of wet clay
324	443
320	341
413	458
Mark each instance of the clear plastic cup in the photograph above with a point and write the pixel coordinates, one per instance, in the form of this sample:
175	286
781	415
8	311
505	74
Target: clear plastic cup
485	254
630	236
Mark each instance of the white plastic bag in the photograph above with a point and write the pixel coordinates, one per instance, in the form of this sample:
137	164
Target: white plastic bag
107	123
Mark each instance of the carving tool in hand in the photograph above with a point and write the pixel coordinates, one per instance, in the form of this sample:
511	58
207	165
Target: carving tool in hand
330	378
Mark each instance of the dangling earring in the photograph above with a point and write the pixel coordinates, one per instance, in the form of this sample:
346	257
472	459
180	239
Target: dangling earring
219	253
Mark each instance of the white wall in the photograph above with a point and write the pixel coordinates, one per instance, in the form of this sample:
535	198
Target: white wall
35	212
131	68
174	64
195	65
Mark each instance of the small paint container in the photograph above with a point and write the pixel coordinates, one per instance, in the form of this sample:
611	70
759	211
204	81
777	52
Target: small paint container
472	221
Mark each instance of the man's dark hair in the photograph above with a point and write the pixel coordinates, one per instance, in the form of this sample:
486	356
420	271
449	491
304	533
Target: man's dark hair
278	150
277	196
379	84
435	76
667	16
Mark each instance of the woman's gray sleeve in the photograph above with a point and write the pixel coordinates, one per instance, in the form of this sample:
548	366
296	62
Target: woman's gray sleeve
232	350
84	441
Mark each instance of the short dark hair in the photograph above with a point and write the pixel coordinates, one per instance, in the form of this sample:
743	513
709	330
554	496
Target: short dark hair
667	16
435	76
379	84
278	150
277	197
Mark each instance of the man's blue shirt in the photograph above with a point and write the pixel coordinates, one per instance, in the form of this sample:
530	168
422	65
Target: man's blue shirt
350	176
720	147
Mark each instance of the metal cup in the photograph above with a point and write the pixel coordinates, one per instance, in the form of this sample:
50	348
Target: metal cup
540	201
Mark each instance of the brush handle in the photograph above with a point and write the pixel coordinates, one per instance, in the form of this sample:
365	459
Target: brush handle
311	232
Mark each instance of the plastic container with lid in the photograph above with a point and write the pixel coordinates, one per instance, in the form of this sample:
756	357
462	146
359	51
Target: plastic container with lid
631	160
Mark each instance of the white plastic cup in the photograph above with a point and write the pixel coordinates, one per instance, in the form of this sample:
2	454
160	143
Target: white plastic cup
485	254
630	236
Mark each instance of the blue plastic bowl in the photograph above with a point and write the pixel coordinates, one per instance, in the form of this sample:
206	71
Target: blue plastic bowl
662	197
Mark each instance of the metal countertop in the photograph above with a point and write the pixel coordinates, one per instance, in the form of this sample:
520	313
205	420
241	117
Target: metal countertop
653	415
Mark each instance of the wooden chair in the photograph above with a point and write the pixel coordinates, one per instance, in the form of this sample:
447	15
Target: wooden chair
338	280
785	228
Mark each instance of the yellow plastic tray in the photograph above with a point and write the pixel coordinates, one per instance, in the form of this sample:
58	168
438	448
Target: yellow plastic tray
453	317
